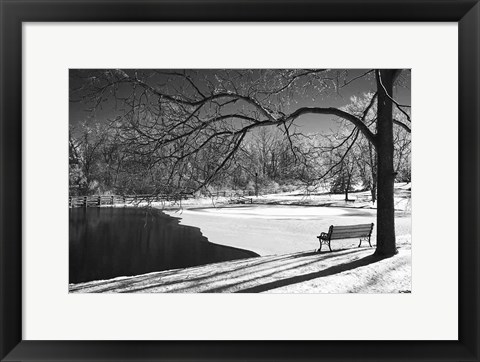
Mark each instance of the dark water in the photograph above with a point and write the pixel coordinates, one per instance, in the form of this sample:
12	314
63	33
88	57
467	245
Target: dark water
110	242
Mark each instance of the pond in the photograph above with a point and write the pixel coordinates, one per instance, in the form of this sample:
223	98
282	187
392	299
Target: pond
110	242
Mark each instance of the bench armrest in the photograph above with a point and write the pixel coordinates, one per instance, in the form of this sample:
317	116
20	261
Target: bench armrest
323	236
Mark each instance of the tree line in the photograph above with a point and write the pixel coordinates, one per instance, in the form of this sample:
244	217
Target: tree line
102	162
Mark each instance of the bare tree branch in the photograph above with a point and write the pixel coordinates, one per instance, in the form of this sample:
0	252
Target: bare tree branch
337	112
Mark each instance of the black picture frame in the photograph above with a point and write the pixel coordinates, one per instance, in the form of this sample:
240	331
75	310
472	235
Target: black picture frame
13	13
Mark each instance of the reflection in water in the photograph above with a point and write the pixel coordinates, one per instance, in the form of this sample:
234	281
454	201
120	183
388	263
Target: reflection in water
111	242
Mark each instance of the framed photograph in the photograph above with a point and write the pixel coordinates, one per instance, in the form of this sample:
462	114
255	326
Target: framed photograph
239	181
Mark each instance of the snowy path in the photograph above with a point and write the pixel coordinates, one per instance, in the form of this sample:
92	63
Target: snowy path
345	271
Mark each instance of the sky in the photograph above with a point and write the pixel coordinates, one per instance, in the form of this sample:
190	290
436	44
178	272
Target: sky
312	123
79	112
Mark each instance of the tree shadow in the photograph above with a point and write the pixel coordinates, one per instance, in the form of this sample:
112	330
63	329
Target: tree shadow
201	279
272	270
240	274
326	251
306	277
236	265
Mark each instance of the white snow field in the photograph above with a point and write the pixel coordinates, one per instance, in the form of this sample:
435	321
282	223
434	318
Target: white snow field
268	230
282	229
277	224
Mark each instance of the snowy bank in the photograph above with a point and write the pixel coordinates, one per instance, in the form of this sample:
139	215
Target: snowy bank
352	270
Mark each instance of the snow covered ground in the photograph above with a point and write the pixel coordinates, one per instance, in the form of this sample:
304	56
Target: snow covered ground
290	222
352	270
359	199
268	230
282	229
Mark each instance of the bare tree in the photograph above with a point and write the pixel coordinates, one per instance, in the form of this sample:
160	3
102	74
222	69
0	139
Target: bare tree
170	118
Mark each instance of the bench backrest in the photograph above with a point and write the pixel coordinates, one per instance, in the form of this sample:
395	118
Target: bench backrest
350	231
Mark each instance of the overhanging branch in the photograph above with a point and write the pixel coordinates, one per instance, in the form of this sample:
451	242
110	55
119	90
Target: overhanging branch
336	112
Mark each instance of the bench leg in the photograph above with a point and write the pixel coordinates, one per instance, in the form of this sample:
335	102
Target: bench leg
324	241
361	239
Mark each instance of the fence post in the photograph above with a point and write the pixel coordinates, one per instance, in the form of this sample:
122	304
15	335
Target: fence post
85	201
113	201
99	200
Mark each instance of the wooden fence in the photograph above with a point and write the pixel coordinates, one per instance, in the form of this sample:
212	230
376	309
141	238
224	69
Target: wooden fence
110	200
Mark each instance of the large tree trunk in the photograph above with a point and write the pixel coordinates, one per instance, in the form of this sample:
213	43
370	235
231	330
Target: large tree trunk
373	170
385	174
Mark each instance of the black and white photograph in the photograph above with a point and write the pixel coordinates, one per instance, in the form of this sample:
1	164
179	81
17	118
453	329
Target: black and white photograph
240	181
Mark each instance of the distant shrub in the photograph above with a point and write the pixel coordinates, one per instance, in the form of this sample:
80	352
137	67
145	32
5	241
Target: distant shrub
270	187
250	186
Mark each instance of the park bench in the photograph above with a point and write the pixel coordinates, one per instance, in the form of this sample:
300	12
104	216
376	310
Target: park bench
362	231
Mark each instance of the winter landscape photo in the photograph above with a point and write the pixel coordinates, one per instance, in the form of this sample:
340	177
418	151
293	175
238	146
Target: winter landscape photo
240	181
